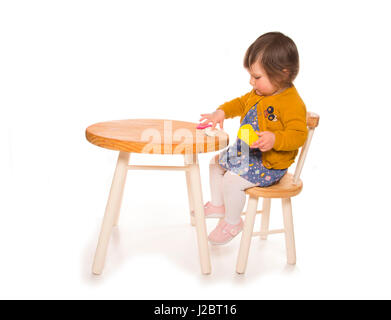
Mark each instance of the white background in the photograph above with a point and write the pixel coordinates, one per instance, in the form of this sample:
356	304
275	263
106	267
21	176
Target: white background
65	65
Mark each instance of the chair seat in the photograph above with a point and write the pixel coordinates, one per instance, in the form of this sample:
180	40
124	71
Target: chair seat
285	188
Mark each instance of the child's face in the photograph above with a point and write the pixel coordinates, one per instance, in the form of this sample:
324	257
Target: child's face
260	81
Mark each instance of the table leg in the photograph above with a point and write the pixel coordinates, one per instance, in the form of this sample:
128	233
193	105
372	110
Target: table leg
111	212
202	237
190	197
122	180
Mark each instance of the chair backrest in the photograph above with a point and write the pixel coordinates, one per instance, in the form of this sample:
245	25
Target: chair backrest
312	123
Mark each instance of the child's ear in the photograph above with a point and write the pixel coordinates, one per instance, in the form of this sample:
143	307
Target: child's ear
287	73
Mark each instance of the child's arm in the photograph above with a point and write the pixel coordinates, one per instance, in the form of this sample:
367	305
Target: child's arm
295	132
235	107
227	110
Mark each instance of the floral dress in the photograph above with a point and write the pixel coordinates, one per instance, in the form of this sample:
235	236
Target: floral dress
246	162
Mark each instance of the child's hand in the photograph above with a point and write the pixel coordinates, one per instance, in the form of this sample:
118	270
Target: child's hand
265	142
216	117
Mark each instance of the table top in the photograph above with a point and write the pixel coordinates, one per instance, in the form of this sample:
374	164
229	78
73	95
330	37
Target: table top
154	136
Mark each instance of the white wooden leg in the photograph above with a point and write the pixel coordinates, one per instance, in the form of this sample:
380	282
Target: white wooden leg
123	172
289	234
265	218
202	237
190	197
247	233
112	208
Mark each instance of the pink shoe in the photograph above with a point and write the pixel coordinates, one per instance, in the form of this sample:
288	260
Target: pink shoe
225	232
212	211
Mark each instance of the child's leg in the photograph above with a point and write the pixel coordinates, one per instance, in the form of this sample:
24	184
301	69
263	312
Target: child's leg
234	196
216	175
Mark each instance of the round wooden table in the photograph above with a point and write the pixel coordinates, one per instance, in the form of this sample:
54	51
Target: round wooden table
154	136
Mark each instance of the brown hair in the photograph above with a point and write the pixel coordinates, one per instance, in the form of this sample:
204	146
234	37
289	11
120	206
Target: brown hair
275	52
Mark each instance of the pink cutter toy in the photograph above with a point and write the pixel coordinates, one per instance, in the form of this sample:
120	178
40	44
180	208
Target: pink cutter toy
203	126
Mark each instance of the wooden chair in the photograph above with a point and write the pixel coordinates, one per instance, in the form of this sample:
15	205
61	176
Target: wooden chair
289	186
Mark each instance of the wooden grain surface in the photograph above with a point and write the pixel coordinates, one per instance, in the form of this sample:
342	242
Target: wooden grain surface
155	136
285	188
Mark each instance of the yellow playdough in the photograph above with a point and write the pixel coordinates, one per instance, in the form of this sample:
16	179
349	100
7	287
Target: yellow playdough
247	134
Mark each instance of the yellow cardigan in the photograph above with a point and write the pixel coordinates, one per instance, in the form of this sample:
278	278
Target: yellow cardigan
284	114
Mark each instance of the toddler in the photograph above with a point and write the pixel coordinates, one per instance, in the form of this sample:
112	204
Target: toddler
273	128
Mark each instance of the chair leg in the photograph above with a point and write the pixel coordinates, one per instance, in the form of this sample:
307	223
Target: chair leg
111	212
190	197
265	217
289	234
199	216
247	235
